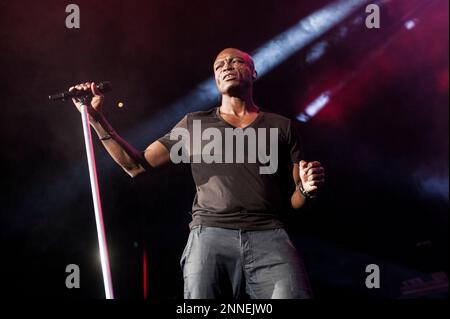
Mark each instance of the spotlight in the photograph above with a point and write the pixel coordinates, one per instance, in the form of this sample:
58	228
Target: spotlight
410	24
314	107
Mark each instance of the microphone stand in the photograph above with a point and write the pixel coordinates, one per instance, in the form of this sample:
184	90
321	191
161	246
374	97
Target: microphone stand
104	259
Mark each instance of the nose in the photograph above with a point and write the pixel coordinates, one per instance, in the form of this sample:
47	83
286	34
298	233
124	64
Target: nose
227	65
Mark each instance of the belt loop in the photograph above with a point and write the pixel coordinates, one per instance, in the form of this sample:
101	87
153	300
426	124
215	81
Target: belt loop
200	229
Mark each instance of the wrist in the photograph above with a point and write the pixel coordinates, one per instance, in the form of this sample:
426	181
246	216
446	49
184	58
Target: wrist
303	192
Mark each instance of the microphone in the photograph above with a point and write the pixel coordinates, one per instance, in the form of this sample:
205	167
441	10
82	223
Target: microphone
103	87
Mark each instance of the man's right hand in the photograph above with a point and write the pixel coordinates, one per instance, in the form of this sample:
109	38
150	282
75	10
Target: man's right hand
95	107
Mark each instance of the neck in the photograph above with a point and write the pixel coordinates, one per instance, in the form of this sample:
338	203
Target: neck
238	105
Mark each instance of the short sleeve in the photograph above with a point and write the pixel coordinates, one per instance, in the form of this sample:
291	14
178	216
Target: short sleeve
167	141
293	143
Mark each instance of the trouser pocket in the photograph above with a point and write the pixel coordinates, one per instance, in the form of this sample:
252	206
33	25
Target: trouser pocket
188	247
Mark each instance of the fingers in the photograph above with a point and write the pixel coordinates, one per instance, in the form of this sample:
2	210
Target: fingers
306	165
303	164
312	188
314	184
311	168
315	177
73	99
314	171
312	175
83	86
94	89
314	164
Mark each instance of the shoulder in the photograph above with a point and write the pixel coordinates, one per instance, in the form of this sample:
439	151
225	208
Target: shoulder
276	119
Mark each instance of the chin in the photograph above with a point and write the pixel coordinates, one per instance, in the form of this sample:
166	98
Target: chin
230	87
235	89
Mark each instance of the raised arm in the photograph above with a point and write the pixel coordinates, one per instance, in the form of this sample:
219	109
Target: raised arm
125	155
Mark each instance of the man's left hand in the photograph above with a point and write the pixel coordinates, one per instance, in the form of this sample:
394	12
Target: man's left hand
312	175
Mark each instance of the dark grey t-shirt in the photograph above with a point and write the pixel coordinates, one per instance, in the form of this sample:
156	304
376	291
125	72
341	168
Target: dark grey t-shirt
233	194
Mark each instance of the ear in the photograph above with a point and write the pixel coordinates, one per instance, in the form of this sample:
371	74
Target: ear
254	75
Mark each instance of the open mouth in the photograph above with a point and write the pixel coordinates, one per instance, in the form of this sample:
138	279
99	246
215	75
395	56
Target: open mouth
229	77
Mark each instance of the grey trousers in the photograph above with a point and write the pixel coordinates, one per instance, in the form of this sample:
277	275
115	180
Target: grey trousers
221	263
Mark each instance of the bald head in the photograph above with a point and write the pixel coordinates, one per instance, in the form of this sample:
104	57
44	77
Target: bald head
235	52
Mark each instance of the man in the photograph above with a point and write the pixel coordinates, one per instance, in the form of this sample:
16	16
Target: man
237	245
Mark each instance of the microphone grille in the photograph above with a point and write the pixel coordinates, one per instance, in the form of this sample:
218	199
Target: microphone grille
104	86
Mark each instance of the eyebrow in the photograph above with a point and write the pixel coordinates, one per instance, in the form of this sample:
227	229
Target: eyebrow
230	58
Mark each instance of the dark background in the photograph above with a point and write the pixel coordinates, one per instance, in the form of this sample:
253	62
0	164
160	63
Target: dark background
383	139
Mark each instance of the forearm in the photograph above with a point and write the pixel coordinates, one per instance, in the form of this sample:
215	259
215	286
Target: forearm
124	154
297	199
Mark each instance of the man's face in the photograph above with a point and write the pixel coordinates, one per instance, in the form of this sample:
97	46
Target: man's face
234	71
